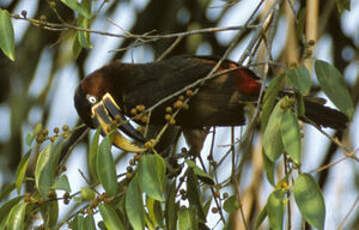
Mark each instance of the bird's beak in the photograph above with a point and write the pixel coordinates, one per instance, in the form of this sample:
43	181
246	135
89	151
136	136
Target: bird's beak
103	114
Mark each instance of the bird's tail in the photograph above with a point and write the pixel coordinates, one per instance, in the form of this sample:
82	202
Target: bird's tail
324	116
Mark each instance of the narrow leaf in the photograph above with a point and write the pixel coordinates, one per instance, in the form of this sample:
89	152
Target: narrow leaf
171	207
186	219
16	217
300	79
21	170
31	136
272	141
333	85
134	205
76	7
154	211
200	173
149	224
62	183
93	154
193	194
260	218
50	213
6	208
84	37
291	138
152	175
269	167
301	23
7	38
89	223
106	169
6	190
275	209
300	104
43	174
269	99
110	218
76	47
78	222
207	206
86	5
310	200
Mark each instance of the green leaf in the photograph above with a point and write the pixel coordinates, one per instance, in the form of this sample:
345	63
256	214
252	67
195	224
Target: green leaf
89	223
301	23
93	153
171	208
333	85
21	170
154	211
44	175
6	190
230	204
16	217
110	218
106	169
87	194
86	5
260	218
149	224
7	38
62	183
46	168
207	206
275	209
291	138
310	200
76	47
269	167
193	194
187	219
269	99
6	208
119	203
300	105
343	5
134	205
31	136
272	141
152	175
50	213
300	79
84	37
78	222
200	173
76	7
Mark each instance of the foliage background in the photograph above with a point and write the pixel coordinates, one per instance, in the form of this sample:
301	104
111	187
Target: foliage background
39	86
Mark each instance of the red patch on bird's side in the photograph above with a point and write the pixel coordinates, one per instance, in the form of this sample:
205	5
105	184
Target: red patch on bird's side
246	84
246	81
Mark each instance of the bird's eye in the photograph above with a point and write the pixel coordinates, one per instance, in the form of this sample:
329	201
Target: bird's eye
91	99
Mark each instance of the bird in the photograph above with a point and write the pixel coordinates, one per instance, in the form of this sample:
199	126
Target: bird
117	91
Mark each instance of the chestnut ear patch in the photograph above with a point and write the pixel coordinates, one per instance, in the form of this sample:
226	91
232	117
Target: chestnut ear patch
95	84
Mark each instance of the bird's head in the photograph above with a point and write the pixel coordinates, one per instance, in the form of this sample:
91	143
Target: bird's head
90	92
97	107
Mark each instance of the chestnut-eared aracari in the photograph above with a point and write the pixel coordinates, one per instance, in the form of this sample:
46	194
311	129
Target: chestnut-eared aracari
109	94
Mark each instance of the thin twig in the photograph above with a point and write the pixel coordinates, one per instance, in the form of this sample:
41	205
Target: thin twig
351	210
